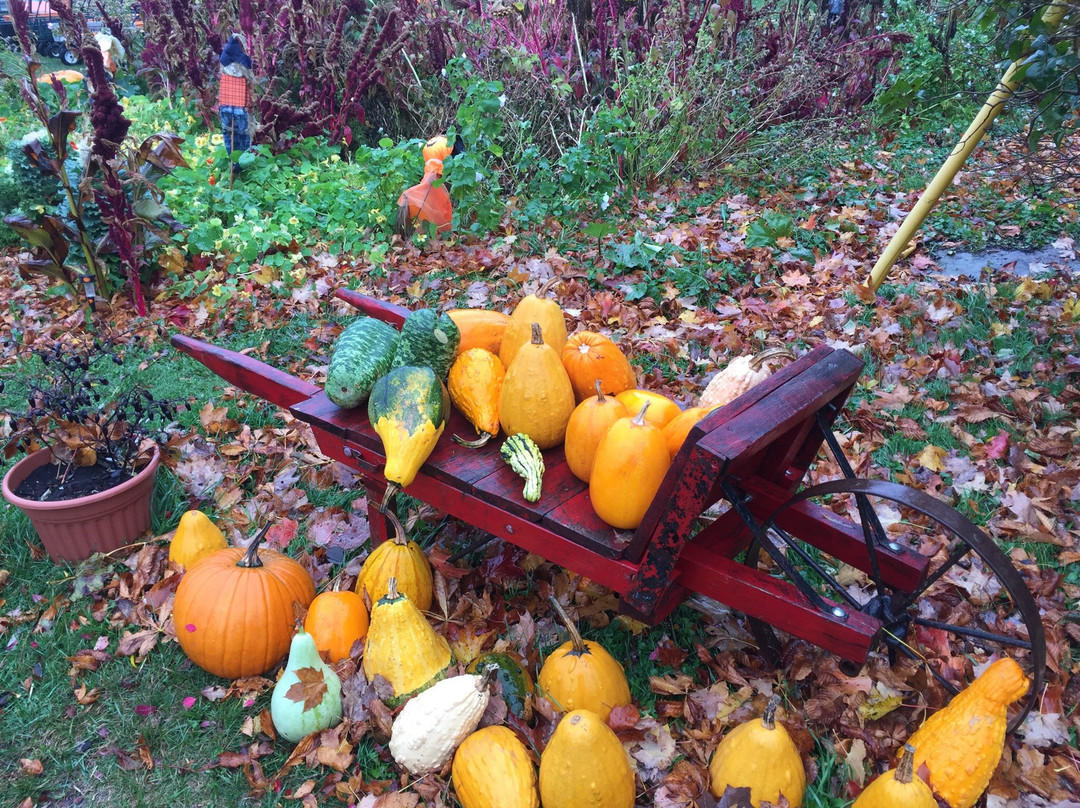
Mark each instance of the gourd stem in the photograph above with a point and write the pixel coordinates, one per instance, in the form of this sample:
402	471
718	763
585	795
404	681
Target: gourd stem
546	285
575	635
251	556
390	492
537	335
639	419
473	444
768	720
400	539
487	677
759	359
391	588
600	392
906	770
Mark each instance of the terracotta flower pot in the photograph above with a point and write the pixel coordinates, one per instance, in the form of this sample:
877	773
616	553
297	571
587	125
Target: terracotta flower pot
74	529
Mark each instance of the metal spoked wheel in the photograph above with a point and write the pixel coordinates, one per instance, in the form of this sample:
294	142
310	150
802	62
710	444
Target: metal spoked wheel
970	607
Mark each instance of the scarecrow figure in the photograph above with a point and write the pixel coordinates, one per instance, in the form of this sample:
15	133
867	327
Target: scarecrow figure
234	97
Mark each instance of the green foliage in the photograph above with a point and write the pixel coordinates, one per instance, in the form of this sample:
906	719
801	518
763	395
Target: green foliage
765	231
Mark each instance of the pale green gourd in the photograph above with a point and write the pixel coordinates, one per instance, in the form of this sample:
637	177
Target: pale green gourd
307	697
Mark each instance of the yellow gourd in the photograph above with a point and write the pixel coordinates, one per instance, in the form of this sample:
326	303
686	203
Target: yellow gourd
534	309
662	410
196	537
676	430
629	466
961	744
492	769
536	397
475	384
581	674
400	559
761	756
898	788
585	766
588	423
401	646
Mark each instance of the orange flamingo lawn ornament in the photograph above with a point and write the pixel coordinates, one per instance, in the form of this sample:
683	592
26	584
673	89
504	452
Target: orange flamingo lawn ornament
427	202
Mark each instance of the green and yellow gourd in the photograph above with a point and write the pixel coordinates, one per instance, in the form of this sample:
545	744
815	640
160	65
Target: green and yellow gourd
408	408
307	697
524	457
362	353
428	340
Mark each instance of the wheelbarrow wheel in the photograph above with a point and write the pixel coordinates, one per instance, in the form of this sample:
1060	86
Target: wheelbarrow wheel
970	607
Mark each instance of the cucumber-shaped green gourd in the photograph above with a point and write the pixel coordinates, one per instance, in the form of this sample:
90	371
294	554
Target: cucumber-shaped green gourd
524	457
363	352
428	339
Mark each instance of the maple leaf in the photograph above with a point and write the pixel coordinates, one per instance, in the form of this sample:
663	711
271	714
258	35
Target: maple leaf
310	688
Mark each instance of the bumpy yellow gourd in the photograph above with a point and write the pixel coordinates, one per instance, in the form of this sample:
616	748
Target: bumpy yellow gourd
492	769
581	674
475	383
898	788
536	399
196	537
761	756
961	744
402	646
585	766
400	559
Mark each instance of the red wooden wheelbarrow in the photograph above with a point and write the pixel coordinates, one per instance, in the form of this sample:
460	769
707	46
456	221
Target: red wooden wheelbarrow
852	565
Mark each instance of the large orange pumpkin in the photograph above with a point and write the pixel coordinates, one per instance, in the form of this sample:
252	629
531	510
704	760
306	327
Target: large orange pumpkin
234	610
588	423
588	356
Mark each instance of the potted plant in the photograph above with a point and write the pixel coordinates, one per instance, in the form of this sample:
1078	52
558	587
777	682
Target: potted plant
87	480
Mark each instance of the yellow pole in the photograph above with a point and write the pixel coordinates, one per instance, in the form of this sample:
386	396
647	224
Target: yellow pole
994	104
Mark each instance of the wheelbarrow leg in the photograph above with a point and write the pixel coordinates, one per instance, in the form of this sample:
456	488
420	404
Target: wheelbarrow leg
378	524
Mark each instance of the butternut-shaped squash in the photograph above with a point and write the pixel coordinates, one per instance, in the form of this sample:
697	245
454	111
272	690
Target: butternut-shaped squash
534	309
537	398
629	466
662	410
585	766
475	384
761	756
588	423
479	328
961	744
581	674
589	356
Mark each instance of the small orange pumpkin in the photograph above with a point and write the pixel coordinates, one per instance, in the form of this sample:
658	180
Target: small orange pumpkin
588	423
630	464
335	620
676	430
662	409
233	610
589	356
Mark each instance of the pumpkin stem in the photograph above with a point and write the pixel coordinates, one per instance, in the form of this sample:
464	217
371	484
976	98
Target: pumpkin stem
906	770
575	635
600	392
546	286
473	444
639	419
759	359
768	720
251	557
537	335
400	539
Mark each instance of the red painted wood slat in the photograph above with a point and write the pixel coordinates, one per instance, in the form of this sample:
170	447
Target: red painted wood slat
387	312
258	378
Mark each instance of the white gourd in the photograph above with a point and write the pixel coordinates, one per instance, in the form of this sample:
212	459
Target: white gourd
433	723
741	373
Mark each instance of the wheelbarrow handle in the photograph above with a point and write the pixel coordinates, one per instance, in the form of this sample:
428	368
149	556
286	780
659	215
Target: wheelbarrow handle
257	378
390	313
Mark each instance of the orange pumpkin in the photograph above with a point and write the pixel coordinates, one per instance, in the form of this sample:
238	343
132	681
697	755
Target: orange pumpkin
676	430
662	410
234	610
588	356
335	620
588	423
630	464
